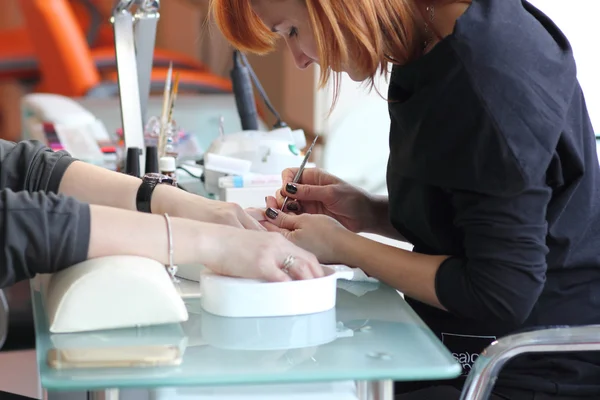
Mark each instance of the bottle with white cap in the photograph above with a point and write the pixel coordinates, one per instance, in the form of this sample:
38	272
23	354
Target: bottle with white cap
168	167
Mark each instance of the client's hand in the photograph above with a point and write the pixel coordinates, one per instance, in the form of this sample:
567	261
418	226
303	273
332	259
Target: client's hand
319	234
176	202
323	193
261	255
225	250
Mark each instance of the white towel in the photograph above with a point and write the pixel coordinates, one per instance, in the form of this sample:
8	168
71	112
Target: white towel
360	284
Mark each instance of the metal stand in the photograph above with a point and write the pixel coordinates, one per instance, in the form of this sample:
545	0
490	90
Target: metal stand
3	318
135	36
366	390
108	394
375	390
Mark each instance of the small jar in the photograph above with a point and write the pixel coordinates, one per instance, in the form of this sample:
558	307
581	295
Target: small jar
168	167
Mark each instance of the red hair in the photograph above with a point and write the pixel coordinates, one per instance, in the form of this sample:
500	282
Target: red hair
373	32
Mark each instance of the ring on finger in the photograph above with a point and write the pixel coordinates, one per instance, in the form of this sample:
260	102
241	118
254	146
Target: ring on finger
288	263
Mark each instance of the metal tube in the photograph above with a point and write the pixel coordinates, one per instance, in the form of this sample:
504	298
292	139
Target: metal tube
135	37
485	371
375	390
129	89
123	5
108	394
4	318
146	21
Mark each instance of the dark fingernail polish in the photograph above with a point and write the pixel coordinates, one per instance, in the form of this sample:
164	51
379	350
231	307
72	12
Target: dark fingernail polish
291	188
292	206
271	213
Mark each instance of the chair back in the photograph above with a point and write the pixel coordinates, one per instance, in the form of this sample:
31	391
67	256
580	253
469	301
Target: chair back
65	60
94	21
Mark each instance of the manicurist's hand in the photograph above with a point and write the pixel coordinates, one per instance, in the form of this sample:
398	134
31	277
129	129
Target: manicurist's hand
178	203
320	234
323	193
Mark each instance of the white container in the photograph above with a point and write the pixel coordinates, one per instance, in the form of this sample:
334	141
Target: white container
269	333
236	297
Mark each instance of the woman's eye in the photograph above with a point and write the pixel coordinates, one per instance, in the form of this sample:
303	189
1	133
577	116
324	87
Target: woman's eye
293	32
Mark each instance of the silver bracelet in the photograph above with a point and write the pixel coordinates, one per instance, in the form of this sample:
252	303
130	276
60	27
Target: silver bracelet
171	268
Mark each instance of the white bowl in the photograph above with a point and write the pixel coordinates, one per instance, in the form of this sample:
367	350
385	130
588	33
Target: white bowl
237	297
269	333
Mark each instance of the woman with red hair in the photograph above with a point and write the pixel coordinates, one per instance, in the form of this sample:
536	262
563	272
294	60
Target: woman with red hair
492	175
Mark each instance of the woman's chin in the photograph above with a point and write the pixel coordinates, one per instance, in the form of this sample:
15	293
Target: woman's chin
357	76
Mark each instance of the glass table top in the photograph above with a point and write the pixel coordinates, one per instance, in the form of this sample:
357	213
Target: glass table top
372	334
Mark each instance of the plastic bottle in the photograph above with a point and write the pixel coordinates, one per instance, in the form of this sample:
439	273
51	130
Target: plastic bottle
151	160
168	167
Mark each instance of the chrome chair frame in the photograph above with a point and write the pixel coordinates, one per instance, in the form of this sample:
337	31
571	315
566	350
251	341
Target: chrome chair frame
486	368
3	318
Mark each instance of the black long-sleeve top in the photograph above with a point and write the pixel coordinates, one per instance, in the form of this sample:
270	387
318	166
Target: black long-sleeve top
493	162
40	231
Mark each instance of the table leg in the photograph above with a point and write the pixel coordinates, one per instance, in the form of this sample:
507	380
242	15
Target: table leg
107	394
375	390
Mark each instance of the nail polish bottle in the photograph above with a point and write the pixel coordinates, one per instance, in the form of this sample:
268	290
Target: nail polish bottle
132	162
168	167
151	160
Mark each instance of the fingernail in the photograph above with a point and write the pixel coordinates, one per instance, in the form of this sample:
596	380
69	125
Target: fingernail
291	188
292	206
271	213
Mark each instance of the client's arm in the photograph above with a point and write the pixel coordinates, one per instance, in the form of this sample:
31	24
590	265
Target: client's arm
43	231
46	232
31	166
96	185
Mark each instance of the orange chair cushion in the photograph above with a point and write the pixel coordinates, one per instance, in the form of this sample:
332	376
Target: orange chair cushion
17	60
189	79
104	56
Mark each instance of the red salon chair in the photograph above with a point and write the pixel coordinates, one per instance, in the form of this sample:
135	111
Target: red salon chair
18	59
100	38
67	64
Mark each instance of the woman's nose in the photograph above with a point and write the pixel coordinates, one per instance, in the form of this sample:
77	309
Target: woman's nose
302	60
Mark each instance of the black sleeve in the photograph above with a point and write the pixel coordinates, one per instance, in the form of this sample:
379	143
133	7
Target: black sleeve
504	268
40	231
31	166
